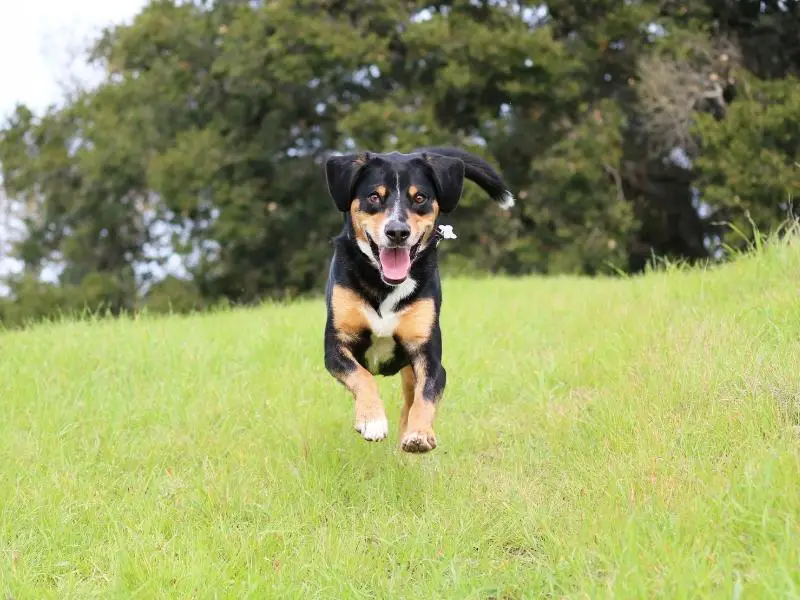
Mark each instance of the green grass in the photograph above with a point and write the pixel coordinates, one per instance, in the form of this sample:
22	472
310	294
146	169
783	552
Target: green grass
608	438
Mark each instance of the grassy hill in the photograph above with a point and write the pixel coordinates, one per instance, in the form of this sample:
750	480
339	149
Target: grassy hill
609	438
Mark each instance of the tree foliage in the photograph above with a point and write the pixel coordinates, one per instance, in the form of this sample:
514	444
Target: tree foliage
627	129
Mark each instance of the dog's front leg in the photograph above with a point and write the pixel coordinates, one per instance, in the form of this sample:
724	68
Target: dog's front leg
429	377
345	326
424	379
370	416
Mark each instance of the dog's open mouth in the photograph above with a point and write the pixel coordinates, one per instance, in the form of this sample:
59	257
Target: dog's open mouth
395	262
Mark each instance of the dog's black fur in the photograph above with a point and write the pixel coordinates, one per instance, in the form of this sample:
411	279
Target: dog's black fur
391	204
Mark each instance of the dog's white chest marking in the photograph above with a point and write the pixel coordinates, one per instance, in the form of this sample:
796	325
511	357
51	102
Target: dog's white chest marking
383	324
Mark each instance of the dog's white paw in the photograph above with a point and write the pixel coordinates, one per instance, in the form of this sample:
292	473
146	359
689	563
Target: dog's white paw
373	430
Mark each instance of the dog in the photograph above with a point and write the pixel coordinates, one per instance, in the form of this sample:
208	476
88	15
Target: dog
383	294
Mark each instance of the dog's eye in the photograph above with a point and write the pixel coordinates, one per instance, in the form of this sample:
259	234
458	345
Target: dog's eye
374	198
420	198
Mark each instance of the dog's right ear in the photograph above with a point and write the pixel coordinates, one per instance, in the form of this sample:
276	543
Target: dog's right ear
341	173
448	175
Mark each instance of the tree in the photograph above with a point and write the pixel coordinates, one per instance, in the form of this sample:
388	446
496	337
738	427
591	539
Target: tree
627	130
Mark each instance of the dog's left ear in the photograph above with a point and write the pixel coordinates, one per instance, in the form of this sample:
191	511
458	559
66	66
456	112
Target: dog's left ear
448	175
340	174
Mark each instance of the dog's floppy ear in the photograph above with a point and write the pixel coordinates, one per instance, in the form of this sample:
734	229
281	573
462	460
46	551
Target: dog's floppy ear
340	174
448	175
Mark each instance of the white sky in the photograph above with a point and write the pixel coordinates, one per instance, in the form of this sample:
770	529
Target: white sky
41	50
40	45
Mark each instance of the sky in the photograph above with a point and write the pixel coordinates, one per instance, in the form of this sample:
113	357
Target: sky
40	47
41	51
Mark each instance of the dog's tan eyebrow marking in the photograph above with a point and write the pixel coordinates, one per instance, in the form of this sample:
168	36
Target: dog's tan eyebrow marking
412	191
381	189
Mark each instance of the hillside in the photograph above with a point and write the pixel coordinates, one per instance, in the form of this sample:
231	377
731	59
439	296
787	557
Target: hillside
625	438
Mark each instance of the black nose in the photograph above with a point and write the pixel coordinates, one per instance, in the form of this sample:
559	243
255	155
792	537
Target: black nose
397	232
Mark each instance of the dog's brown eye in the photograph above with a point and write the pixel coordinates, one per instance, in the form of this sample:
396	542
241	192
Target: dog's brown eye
374	198
420	198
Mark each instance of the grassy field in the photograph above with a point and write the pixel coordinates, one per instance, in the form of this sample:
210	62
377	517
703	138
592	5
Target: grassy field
612	438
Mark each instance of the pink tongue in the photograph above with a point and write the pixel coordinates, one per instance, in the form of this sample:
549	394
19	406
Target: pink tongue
395	263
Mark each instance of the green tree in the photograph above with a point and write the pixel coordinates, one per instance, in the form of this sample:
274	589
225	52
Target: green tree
626	129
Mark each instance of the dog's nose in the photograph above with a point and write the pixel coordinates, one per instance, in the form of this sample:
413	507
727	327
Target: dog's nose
397	231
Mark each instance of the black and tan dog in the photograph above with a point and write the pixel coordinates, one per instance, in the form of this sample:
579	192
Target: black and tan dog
383	292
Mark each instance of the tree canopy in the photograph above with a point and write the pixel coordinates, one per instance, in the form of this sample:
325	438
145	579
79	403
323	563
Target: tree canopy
628	130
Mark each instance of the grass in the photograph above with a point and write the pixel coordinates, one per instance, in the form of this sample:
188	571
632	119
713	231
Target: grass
598	438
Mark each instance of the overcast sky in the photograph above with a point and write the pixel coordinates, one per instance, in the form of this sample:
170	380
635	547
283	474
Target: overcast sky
40	41
40	50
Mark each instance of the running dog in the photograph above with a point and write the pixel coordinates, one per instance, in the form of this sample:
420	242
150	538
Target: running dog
383	292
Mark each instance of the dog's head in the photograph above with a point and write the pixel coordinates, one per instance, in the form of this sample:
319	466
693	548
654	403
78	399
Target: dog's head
394	200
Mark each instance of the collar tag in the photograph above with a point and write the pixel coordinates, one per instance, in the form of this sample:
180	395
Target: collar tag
445	232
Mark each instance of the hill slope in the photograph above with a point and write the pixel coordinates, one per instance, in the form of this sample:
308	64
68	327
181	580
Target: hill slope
611	438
